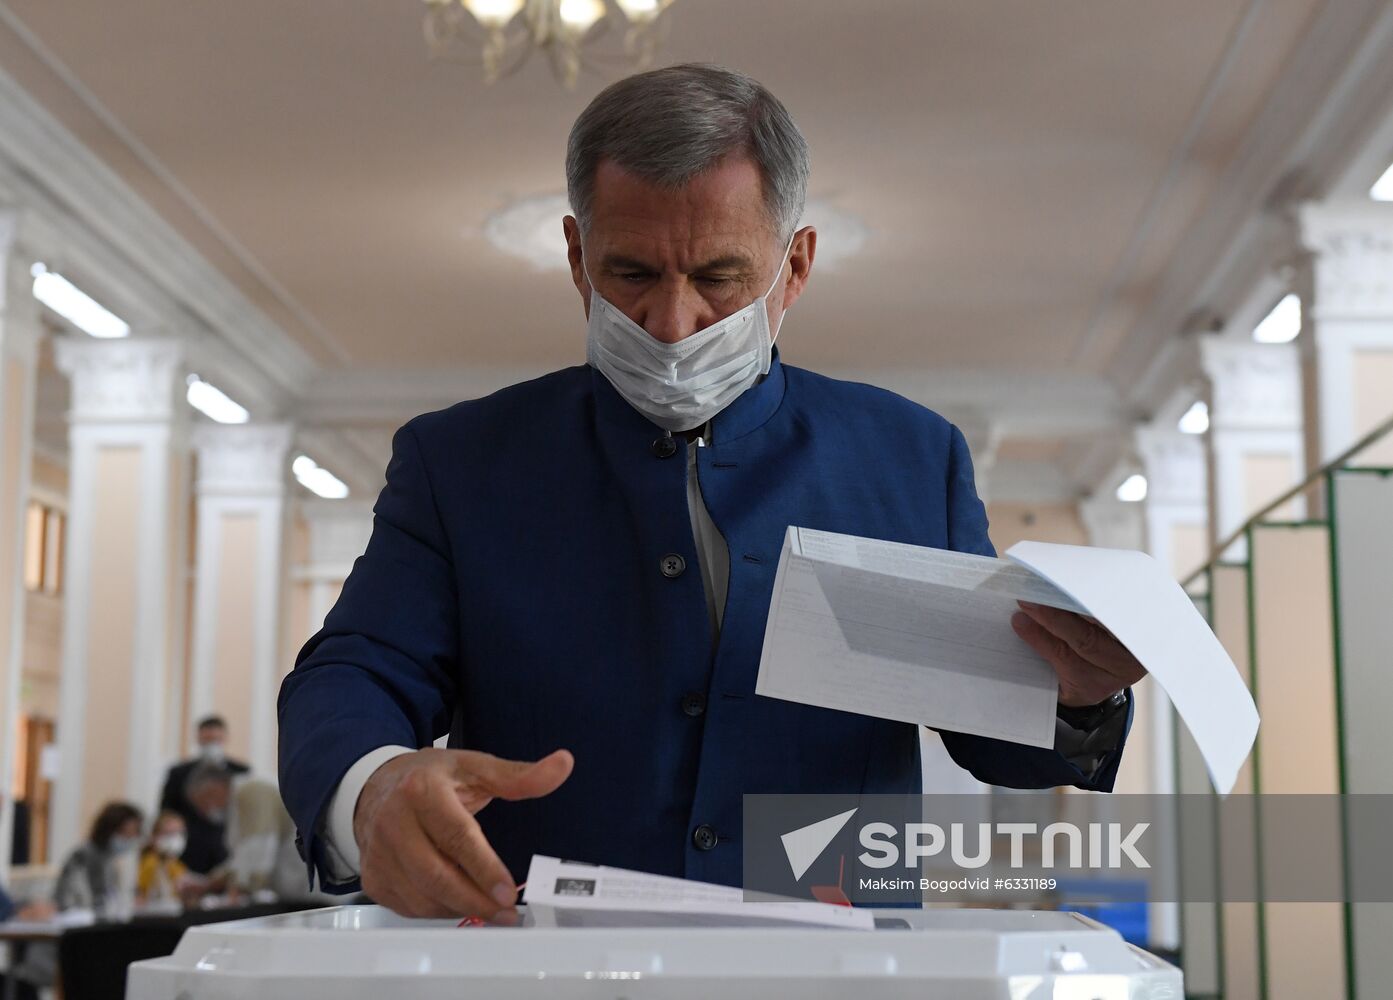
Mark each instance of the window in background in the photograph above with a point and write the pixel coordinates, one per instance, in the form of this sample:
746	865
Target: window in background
1283	324
1383	187
34	547
44	529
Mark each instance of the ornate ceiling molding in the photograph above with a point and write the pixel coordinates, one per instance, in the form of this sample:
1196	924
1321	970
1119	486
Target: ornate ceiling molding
80	214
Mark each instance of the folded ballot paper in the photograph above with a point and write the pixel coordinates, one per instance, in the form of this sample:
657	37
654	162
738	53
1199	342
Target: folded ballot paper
572	894
924	635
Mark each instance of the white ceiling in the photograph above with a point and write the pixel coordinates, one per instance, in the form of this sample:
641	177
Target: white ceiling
1026	173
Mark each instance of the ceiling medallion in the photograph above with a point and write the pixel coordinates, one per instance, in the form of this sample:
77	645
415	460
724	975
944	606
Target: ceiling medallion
505	33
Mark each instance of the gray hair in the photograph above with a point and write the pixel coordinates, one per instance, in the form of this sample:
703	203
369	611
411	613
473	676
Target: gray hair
668	125
204	773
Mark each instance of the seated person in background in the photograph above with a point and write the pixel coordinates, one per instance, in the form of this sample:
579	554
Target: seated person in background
162	879
260	839
92	876
29	972
206	848
27	911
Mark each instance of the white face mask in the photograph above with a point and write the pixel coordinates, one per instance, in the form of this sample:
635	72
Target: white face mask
212	752
121	846
171	845
683	385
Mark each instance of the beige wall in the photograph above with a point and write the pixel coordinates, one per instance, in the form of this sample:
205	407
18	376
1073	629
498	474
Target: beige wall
1189	548
184	741
234	657
50	476
112	629
12	504
1373	403
43	646
301	596
1229	611
1014	522
179	587
297	628
294	595
1265	478
1293	662
43	616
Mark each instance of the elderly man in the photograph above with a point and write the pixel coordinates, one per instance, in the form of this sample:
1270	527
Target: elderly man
260	835
572	575
206	833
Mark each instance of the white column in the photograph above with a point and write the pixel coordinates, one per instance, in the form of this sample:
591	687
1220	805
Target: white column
1255	432
1175	510
1146	767
1112	523
124	572
238	571
338	534
1117	524
1347	340
20	334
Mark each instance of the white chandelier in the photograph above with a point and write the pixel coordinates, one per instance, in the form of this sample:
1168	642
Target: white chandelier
507	32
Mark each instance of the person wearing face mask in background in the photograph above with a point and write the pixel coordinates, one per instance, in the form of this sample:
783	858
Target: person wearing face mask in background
99	875
571	577
207	847
163	881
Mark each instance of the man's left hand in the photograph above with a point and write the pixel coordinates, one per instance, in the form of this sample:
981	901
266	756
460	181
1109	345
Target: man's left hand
1091	664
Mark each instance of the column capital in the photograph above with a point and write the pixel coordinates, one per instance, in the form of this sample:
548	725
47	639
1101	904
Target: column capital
338	533
122	381
1113	523
1175	466
1252	386
1351	244
242	459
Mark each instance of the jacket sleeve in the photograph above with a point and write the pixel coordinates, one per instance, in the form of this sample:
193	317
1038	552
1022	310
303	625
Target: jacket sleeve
997	762
382	670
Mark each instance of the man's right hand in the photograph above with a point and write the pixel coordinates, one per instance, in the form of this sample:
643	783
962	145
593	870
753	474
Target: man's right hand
423	852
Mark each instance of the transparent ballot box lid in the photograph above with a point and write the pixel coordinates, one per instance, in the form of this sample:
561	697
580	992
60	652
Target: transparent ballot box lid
351	952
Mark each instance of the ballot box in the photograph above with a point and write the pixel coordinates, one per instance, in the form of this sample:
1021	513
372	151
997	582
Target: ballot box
352	952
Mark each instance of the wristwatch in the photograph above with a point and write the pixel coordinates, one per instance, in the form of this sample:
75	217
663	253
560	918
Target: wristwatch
1090	717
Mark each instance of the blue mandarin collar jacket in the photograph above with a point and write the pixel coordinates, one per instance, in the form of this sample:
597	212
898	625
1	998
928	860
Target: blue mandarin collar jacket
512	594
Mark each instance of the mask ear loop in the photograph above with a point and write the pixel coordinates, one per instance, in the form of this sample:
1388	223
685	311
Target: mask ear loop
782	261
585	270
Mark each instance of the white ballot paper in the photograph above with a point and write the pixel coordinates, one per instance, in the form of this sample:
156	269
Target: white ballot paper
572	894
924	635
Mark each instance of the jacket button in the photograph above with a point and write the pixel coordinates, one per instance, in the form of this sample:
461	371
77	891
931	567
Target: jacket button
672	565
693	703
664	447
704	838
